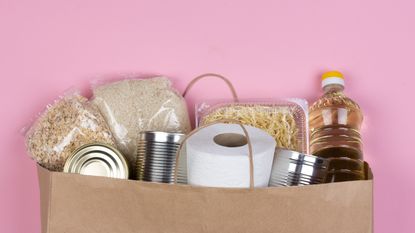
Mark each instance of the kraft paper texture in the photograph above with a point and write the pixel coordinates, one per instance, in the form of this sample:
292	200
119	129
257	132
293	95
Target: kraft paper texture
73	203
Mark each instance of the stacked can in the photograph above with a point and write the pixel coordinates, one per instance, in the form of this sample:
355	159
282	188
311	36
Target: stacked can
156	156
293	168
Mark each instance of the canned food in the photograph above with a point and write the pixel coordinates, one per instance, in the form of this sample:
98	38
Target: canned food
156	156
292	168
97	160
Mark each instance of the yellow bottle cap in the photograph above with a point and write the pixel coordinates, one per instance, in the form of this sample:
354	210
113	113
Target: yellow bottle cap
332	74
332	77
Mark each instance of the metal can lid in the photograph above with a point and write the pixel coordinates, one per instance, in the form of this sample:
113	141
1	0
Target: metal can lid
97	159
301	158
158	136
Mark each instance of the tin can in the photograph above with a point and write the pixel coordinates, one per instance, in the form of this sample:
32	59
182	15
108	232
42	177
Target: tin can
156	156
293	168
97	159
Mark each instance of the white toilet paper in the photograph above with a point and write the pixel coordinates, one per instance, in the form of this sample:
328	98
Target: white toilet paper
210	164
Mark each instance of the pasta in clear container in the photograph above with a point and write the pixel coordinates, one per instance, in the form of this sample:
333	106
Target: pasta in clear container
285	120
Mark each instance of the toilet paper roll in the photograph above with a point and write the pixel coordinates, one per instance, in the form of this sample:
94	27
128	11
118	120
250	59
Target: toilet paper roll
217	156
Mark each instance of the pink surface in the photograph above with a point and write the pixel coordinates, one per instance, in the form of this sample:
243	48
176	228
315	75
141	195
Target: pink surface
269	49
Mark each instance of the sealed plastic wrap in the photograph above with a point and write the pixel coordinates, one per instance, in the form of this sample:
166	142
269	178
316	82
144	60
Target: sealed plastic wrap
285	120
131	106
67	124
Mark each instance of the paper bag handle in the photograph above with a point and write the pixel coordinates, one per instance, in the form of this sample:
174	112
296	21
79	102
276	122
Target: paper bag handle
228	83
250	153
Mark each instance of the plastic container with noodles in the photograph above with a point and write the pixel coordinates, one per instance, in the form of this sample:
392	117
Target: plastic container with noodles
285	120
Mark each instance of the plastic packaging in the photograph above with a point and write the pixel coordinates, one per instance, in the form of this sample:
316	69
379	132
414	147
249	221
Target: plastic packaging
131	106
70	122
285	120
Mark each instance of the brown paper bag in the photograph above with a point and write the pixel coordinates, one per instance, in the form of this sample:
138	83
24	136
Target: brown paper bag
74	203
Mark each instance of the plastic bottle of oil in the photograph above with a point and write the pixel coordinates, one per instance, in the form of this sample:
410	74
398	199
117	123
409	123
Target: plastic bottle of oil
335	122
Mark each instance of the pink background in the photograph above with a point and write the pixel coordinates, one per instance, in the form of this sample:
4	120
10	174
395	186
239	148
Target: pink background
269	49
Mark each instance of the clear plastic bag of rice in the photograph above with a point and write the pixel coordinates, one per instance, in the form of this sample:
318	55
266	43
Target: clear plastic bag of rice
131	106
285	120
68	123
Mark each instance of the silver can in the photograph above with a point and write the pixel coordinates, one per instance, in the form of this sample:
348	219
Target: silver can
156	156
293	168
97	160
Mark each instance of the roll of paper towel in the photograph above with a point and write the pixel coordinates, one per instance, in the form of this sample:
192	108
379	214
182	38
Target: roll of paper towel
217	156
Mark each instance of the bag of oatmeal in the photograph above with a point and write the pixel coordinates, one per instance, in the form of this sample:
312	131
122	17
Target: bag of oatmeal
70	122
